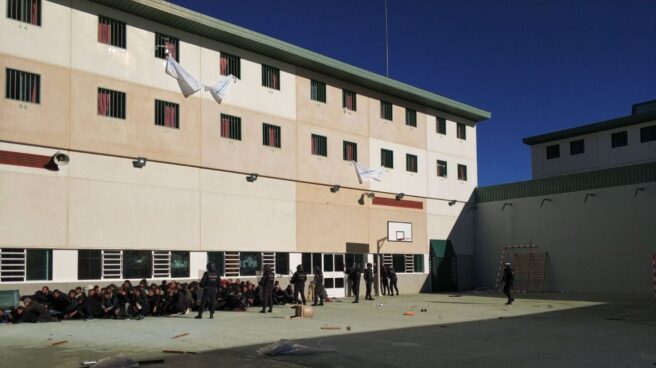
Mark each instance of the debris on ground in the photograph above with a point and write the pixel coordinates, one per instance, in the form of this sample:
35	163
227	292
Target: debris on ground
118	361
287	347
58	342
330	328
409	314
443	326
348	328
172	351
180	335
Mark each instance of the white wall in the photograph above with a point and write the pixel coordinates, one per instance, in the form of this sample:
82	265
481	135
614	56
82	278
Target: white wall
398	179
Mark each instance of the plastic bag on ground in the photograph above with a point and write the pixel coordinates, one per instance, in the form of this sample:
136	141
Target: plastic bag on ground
119	361
286	347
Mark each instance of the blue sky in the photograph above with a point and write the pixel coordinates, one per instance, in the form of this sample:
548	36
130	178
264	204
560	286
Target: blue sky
538	66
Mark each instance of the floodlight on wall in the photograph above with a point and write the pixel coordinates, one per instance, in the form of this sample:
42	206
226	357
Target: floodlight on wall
544	200
251	178
61	159
368	194
586	197
504	206
334	188
400	196
638	189
139	163
451	203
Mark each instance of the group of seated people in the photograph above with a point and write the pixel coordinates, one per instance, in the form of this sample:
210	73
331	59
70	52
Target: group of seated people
136	301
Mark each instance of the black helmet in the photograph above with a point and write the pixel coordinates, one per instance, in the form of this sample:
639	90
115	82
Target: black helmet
299	268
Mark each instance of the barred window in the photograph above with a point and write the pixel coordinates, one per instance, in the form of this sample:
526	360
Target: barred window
461	131
23	86
282	263
619	139
349	100
441	168
230	127
111	32
418	263
270	77
441	126
577	147
386	110
167	114
350	151
387	158
89	264
319	145
553	151
410	163
271	135
462	172
111	103
648	134
167	45
318	91
230	64
218	260
27	11
410	117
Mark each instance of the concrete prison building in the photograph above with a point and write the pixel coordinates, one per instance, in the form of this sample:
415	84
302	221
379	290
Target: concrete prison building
107	172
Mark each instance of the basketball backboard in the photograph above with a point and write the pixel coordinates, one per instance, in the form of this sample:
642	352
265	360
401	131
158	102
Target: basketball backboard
399	231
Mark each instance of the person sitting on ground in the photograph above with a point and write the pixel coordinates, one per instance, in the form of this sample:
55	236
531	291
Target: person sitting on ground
36	312
59	304
109	304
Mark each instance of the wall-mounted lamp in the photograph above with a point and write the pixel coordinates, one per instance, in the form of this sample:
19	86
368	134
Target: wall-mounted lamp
334	189
638	189
451	203
368	194
504	206
544	200
139	163
251	178
400	196
588	195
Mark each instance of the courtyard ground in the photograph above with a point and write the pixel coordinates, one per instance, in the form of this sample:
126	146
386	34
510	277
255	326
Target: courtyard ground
457	330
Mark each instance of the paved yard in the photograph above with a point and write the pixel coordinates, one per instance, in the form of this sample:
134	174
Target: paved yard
463	330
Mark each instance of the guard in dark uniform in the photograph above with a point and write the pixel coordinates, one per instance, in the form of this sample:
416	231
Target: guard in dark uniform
210	284
369	280
354	276
298	279
318	285
266	283
392	281
508	279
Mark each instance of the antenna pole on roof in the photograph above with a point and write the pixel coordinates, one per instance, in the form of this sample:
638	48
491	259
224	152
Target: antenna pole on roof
386	44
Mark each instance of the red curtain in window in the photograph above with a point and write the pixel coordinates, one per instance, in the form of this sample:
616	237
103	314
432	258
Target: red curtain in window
225	127
314	145
33	94
349	152
223	65
103	103
349	101
35	12
274	80
104	33
273	137
170	47
169	116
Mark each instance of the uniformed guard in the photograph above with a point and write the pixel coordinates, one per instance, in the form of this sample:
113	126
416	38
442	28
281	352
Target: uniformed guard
391	274
266	283
508	279
354	276
298	279
210	284
318	285
369	280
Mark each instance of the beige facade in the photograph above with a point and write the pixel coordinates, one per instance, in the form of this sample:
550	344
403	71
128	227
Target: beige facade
192	194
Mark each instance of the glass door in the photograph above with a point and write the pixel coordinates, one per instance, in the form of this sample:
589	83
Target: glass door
333	274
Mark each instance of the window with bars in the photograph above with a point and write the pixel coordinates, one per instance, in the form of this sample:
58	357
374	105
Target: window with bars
22	86
231	64
111	103
577	147
349	100
18	265
386	110
553	151
89	264
410	117
350	151
619	139
111	32
282	264
167	45
648	134
318	91
441	126
441	168
249	263
230	127
167	114
410	163
218	260
26	11
387	158
319	145
180	264
310	260
270	77
418	263
462	172
137	264
271	135
461	130
398	263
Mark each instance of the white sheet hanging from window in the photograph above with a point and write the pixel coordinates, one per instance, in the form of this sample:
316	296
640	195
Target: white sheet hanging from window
220	90
188	84
365	174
